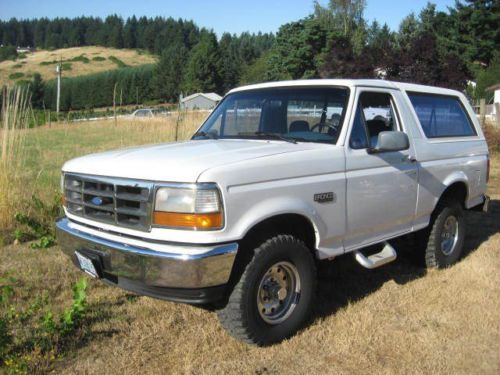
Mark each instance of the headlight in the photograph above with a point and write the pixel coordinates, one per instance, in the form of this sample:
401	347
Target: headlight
196	208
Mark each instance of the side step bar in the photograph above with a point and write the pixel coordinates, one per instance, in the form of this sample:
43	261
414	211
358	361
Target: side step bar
386	255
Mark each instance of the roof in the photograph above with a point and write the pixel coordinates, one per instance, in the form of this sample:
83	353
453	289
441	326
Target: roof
493	88
209	95
351	83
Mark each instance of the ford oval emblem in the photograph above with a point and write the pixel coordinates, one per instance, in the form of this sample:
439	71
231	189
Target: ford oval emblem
97	201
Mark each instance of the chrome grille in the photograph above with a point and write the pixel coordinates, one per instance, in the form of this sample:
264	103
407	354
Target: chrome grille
121	202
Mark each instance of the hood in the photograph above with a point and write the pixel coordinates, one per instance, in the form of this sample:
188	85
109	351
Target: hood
177	162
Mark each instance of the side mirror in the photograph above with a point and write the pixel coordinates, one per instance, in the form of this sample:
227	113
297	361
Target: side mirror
391	141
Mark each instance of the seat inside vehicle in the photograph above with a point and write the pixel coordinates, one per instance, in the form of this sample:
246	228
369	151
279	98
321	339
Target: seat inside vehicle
299	126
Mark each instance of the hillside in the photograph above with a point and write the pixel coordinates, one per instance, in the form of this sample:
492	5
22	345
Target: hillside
76	61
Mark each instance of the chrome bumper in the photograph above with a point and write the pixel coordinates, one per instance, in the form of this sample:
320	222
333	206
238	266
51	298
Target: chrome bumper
150	268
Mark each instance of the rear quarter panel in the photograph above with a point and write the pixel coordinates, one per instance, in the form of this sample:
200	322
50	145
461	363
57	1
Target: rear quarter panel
444	161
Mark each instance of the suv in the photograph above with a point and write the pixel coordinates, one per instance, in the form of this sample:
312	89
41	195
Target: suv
279	177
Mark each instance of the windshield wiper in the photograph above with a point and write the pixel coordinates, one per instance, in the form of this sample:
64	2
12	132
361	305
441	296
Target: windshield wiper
271	135
209	135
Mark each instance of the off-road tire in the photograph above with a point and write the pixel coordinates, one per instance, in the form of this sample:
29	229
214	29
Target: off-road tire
241	317
429	239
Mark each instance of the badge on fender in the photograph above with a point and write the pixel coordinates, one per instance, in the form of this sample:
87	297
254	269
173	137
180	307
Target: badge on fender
324	197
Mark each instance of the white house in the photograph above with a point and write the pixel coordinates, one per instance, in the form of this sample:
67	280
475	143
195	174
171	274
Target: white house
496	95
200	101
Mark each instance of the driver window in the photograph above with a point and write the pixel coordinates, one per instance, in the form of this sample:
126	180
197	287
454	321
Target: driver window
375	114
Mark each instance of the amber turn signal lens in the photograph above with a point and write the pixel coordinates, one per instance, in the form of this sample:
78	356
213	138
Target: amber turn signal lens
192	221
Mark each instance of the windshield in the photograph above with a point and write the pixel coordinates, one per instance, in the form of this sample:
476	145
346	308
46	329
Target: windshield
312	114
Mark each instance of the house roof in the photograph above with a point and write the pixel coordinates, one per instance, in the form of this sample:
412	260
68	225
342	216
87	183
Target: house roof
493	88
209	95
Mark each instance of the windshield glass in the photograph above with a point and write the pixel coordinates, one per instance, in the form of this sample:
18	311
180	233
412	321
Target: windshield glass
313	114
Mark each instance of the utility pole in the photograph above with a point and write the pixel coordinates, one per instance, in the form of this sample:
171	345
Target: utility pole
58	71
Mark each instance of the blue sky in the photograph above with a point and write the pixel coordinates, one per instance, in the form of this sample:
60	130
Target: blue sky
234	16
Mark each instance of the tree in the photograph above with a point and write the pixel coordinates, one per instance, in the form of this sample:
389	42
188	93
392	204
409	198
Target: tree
423	63
297	49
231	63
477	28
255	72
130	33
203	68
37	91
341	15
168	72
341	62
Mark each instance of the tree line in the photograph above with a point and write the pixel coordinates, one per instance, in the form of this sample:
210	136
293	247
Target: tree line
434	47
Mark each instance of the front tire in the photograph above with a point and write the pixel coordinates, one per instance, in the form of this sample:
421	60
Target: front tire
443	241
274	295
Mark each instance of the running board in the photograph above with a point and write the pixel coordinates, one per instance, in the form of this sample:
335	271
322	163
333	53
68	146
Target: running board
386	255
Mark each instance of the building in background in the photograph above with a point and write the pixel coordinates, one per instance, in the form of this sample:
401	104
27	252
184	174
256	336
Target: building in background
200	101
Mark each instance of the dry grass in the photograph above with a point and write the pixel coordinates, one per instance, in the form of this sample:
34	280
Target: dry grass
492	134
13	123
31	64
393	320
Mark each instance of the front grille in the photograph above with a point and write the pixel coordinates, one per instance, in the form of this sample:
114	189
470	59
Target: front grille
121	202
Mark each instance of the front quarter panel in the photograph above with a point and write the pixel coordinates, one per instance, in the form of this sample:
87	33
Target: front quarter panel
261	188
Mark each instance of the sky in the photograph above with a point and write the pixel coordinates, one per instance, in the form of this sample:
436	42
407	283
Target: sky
234	16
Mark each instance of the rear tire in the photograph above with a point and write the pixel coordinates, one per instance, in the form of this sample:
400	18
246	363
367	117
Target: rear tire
274	295
442	242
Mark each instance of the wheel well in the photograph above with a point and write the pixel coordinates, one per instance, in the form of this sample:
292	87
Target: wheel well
293	224
457	190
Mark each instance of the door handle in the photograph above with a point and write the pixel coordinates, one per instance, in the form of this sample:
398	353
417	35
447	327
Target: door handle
410	158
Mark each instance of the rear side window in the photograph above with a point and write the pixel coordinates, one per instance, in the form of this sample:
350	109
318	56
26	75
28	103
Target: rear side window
441	116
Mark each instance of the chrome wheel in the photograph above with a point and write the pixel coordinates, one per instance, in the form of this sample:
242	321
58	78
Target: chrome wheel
278	293
449	235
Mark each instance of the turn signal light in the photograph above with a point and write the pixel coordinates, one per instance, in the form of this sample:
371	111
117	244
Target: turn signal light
209	221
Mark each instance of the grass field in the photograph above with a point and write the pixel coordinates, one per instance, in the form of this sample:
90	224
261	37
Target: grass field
43	62
393	320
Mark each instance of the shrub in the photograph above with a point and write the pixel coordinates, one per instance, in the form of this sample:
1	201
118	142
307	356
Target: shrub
492	135
32	228
117	61
16	75
8	53
32	338
49	62
66	66
98	58
80	58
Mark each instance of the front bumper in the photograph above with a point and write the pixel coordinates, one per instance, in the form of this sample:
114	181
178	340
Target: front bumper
172	275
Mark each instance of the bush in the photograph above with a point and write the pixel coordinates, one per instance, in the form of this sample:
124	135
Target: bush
8	53
16	75
80	58
98	58
492	135
30	227
117	61
33	337
49	62
66	66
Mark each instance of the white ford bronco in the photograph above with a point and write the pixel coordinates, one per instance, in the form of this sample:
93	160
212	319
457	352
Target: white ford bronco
279	177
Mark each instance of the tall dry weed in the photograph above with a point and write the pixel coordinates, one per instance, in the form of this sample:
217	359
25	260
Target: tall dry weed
492	135
14	120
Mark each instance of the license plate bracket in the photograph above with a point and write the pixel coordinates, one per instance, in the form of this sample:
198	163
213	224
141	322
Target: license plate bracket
88	265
